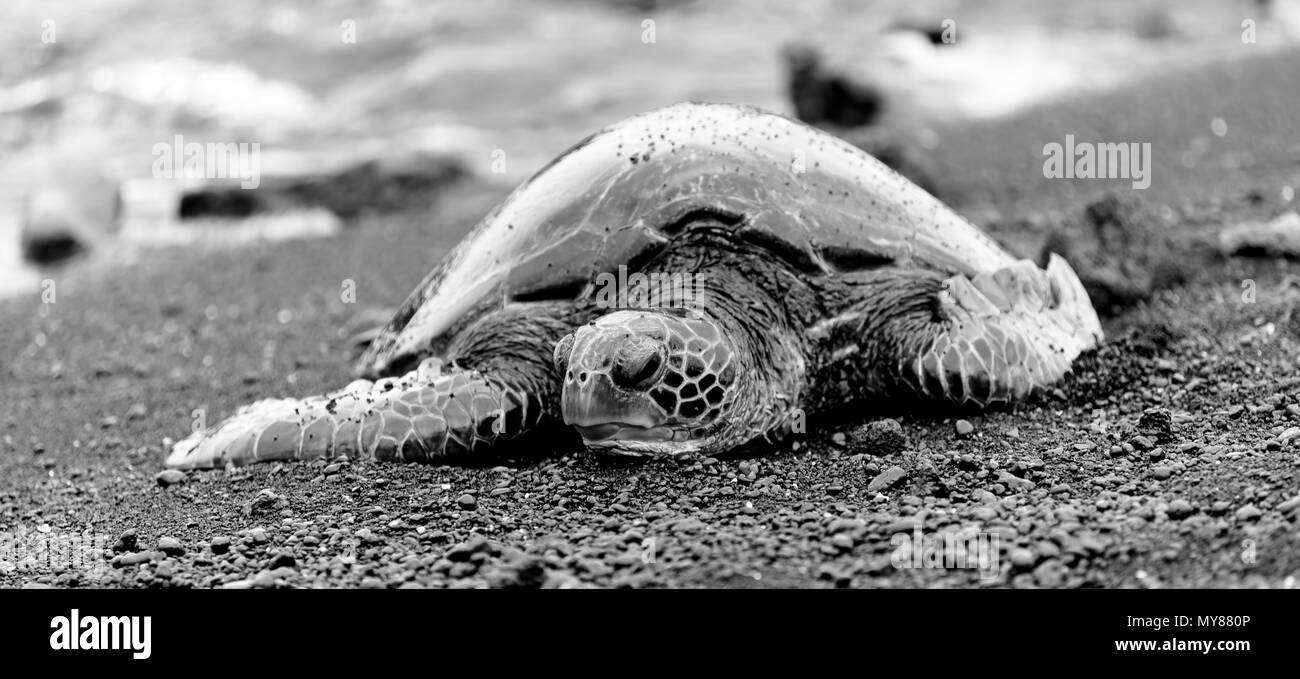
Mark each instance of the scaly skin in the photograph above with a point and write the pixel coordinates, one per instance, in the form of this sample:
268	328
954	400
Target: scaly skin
497	388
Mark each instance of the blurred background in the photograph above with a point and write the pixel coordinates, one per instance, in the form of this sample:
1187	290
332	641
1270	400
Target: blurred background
362	108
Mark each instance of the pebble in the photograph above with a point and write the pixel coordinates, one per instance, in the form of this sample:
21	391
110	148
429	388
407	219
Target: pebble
964	428
467	501
1290	506
1142	442
283	560
1050	573
170	546
881	437
170	477
1158	424
1023	558
886	479
137	412
136	558
1161	472
1180	509
219	544
1288	434
1248	513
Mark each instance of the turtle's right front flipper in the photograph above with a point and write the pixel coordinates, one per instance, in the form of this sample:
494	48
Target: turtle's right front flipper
418	417
501	388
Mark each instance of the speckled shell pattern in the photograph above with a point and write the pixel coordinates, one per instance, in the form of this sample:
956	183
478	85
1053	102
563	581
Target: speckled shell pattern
620	195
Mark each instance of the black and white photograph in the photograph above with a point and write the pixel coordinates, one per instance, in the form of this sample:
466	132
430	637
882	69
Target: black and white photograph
888	295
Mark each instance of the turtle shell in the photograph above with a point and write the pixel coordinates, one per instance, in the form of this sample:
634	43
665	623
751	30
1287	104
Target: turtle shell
620	195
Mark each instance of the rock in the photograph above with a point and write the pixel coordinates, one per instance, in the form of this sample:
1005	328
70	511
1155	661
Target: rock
1141	442
964	428
265	502
170	477
822	94
1288	434
1248	513
283	560
1050	573
881	437
219	544
136	558
886	479
1121	251
170	546
1022	558
1158	424
1180	509
126	542
1161	473
467	501
1278	237
137	411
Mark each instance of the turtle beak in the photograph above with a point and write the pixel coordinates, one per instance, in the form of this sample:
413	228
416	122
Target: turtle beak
591	400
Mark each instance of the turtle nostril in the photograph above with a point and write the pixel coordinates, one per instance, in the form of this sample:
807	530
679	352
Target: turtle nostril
637	366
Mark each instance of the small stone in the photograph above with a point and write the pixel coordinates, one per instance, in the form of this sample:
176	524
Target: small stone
332	468
258	536
264	580
881	437
1248	513
170	546
886	479
1293	410
839	439
1050	573
1288	434
126	542
1023	558
219	544
283	560
137	412
1180	509
1158	424
1290	506
170	477
1161	473
1141	442
467	501
964	428
136	558
108	422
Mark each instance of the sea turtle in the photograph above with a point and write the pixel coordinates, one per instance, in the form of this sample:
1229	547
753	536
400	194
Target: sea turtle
692	279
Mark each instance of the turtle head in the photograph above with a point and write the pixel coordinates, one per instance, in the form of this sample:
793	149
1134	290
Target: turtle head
651	382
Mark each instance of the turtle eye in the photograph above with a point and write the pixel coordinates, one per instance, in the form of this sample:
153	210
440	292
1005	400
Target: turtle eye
562	350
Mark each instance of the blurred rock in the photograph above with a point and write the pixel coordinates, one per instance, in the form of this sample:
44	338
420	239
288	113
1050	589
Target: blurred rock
822	95
68	212
1121	252
1277	238
407	181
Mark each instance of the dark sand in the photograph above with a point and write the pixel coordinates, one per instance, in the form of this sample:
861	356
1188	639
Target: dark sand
1074	497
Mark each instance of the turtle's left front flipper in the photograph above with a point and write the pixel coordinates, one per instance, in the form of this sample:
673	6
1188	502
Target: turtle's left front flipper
1000	335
